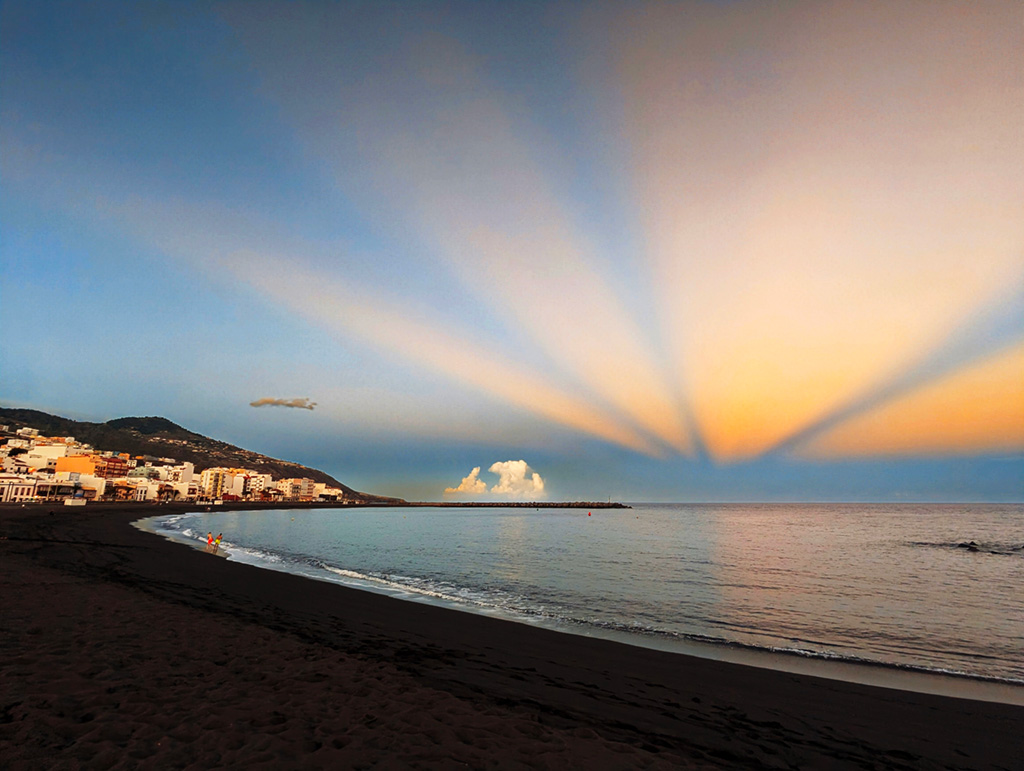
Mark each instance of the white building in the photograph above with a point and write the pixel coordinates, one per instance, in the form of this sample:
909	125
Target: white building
44	456
259	482
186	491
15	465
234	484
15	488
87	481
180	473
146	489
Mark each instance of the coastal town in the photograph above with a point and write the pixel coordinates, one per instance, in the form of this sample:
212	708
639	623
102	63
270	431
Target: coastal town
61	470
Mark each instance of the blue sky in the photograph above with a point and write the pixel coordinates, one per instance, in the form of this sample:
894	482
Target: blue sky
690	251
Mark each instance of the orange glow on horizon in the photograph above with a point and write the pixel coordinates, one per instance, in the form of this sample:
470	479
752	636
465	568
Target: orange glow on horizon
977	409
822	200
824	197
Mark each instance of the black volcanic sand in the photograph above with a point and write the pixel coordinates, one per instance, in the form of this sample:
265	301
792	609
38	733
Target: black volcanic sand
121	649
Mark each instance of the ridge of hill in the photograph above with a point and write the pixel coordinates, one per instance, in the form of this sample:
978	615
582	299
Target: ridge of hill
160	438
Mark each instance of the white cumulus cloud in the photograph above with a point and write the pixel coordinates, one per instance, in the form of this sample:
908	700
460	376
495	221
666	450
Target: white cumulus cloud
470	484
515	480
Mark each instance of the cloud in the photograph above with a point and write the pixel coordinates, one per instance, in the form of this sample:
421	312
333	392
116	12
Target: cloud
470	484
302	404
515	480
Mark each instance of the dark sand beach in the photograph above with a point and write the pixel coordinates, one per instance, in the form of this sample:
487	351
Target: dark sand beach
119	649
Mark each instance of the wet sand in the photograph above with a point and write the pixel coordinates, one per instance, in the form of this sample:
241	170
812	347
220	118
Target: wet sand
119	648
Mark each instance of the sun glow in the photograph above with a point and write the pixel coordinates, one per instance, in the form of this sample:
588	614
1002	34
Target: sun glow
979	408
823	195
816	212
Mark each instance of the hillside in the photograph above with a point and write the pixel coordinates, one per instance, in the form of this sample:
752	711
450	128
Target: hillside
159	437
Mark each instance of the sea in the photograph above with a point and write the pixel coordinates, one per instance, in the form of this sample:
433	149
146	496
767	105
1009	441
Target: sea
926	597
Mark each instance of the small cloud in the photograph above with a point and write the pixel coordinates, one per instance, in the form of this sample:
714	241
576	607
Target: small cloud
302	404
515	480
470	484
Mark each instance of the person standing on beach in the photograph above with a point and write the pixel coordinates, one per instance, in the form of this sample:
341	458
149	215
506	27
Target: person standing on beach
209	541
216	543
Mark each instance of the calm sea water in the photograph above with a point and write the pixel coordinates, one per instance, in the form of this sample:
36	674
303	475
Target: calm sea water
884	584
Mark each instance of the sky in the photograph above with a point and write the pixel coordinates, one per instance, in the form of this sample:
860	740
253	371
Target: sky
695	251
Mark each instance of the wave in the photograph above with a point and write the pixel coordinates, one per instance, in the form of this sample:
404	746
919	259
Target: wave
470	600
494	601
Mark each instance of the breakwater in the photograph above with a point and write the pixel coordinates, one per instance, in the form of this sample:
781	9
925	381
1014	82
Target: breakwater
523	504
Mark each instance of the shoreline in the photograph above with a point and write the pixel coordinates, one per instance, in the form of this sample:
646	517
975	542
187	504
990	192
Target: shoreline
959	685
212	660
